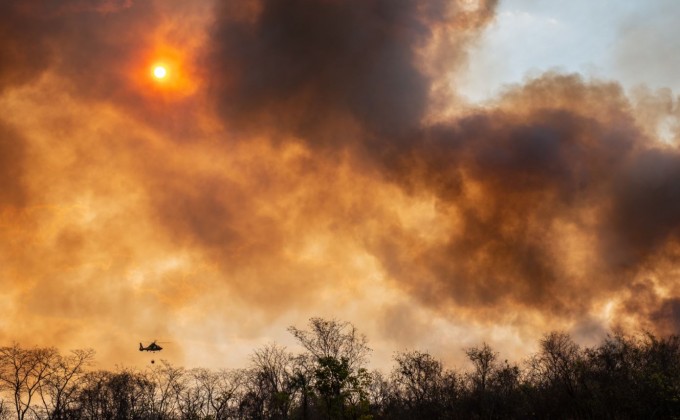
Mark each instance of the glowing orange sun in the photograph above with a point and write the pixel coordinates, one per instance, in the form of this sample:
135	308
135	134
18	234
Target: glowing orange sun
160	72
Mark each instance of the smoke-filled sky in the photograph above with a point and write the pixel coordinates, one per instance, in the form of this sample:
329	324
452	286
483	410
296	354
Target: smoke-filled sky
439	173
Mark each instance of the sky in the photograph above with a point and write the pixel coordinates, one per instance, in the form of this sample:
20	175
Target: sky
440	174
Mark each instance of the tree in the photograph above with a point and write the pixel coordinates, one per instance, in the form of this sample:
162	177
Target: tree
555	374
611	375
225	389
334	339
484	363
505	396
418	380
115	395
336	355
379	394
201	398
4	412
483	360
302	382
168	384
272	371
659	376
23	372
60	388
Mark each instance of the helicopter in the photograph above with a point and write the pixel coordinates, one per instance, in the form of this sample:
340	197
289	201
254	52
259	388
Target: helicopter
153	347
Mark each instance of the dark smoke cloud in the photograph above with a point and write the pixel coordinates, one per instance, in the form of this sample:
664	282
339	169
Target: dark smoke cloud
546	156
24	53
667	316
308	66
12	157
645	214
652	304
99	51
559	153
510	175
76	33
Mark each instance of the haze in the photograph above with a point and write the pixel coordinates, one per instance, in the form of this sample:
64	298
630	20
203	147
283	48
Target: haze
438	173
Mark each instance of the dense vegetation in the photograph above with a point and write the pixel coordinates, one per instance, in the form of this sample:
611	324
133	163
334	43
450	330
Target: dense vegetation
623	377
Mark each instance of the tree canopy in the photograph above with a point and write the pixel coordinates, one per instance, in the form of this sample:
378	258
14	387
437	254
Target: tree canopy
624	376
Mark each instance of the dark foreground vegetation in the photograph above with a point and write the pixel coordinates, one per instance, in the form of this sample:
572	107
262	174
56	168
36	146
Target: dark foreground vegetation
623	377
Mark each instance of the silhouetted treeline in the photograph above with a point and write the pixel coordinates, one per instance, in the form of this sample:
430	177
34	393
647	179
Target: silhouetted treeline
623	377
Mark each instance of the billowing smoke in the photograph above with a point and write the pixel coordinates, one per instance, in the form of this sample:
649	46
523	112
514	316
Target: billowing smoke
555	196
313	67
315	158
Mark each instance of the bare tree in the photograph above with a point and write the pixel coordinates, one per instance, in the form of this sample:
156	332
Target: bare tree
4	412
332	338
168	384
379	393
418	379
272	372
226	389
23	372
483	359
194	399
125	394
58	392
557	361
206	394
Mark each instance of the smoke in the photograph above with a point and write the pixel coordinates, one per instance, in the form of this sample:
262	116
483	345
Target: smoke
553	193
313	68
646	37
23	53
315	160
12	155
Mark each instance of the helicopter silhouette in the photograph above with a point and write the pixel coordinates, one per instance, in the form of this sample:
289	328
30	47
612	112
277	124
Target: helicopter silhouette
153	347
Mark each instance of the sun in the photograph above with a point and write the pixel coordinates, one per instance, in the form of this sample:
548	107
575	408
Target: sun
166	72
160	72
